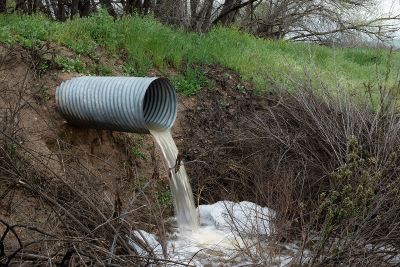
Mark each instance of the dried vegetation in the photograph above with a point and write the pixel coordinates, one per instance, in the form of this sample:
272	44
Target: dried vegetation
58	205
328	164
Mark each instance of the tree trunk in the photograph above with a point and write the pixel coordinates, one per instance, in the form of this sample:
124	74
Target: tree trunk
206	18
48	8
193	13
20	5
229	17
107	4
146	6
133	5
171	11
29	7
193	7
84	8
3	6
60	10
74	8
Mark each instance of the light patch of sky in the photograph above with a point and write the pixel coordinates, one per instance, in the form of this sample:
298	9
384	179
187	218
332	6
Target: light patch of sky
385	7
390	8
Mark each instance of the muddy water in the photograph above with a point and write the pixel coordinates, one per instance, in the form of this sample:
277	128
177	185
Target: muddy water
216	242
182	192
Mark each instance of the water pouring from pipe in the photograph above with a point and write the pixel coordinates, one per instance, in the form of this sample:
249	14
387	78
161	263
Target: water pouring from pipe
133	104
149	105
180	187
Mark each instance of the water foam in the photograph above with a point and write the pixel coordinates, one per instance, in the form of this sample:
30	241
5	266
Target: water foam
212	235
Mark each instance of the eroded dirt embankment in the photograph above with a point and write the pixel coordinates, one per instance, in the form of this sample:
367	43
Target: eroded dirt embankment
116	163
69	171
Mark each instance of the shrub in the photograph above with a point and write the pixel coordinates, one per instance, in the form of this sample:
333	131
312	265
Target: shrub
327	163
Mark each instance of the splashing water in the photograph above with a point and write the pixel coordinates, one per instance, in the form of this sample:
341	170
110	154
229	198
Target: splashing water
182	192
219	234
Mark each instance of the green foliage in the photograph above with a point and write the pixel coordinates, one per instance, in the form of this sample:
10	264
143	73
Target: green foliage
136	149
25	30
70	64
42	67
165	198
191	81
144	43
363	57
138	154
128	70
5	36
12	148
354	189
102	70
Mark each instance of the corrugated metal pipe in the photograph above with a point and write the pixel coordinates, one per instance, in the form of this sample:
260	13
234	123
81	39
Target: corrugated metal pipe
128	104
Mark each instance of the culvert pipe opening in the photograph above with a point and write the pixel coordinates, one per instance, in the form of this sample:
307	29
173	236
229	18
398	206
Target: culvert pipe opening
128	104
160	105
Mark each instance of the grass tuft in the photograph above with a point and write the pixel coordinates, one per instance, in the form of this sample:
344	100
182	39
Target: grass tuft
144	43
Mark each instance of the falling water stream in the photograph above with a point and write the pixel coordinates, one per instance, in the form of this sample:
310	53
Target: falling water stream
213	242
182	192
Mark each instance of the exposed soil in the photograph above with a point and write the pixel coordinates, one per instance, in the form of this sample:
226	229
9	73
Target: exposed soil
112	167
214	116
92	186
54	148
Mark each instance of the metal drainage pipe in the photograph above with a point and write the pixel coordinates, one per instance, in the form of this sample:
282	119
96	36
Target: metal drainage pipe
128	104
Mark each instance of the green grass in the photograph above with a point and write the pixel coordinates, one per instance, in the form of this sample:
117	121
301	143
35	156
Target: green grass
144	43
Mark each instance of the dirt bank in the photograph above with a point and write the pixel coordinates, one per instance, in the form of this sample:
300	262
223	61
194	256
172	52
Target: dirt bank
113	167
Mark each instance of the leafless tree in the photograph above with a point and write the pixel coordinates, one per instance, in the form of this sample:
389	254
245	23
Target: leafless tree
318	20
3	6
315	20
201	14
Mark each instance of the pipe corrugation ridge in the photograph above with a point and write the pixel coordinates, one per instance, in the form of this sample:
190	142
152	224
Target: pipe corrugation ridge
129	104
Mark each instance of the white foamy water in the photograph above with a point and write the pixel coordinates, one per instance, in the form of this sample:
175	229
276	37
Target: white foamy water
180	187
230	234
227	229
213	235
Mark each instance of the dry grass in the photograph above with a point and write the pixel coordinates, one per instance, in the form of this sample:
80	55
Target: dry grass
329	166
68	217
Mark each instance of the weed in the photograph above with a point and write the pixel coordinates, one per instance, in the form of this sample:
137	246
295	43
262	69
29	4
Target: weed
354	191
165	198
42	67
102	70
129	70
137	153
241	88
136	149
224	104
147	44
6	37
327	165
191	81
70	65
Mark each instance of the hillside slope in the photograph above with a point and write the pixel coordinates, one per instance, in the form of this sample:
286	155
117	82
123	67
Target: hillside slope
328	166
71	182
143	43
